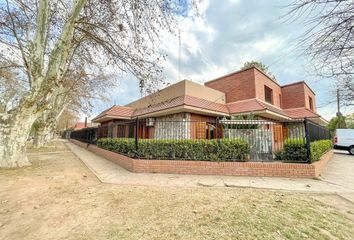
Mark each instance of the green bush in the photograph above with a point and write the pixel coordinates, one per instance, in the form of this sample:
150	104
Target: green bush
318	148
295	150
278	155
210	150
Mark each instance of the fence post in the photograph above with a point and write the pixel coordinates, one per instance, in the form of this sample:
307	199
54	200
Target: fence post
307	139
136	134
216	128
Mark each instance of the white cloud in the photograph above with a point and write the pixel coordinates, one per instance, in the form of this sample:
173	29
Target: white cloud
228	33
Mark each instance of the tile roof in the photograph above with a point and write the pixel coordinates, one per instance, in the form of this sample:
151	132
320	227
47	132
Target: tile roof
252	105
205	104
300	113
117	111
184	100
244	106
79	125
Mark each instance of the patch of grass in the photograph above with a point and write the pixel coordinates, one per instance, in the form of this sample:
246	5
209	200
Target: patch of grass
39	203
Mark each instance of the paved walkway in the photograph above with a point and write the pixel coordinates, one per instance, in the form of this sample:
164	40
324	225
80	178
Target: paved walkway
338	176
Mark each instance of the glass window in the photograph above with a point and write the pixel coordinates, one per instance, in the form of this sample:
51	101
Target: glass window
131	131
268	95
311	103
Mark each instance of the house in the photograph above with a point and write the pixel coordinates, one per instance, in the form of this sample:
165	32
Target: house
190	110
82	125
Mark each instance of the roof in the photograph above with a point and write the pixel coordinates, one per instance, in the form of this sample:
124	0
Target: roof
300	113
123	112
184	101
253	105
115	111
234	108
79	125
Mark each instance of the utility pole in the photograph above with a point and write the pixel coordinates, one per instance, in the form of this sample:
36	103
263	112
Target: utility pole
179	54
338	104
341	120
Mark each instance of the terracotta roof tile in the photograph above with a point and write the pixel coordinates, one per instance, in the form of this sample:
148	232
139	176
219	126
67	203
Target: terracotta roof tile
253	105
205	104
245	106
175	102
116	111
184	100
300	113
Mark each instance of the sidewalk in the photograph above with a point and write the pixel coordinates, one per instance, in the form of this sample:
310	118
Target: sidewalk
109	172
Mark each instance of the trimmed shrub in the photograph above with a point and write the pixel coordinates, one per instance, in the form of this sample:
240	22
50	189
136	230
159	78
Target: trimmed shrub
125	146
295	150
318	148
278	155
209	150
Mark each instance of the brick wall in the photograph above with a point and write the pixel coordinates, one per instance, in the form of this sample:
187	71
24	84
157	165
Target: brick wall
293	96
261	81
259	169
237	86
309	93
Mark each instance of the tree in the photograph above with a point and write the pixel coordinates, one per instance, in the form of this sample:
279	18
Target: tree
43	39
329	39
336	122
67	120
77	95
260	66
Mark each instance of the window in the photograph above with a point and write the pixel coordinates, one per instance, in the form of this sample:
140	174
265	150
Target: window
311	103
121	131
268	95
131	130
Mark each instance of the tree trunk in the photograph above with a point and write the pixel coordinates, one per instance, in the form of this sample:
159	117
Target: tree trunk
14	132
44	135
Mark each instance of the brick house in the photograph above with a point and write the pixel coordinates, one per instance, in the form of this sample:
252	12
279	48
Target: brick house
190	109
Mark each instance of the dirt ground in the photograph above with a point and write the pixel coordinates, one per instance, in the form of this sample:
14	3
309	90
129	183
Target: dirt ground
59	198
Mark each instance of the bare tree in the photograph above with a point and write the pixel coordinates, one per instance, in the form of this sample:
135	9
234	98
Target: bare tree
329	39
67	120
79	90
43	38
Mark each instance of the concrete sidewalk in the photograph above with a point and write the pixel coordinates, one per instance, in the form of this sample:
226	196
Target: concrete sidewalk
334	182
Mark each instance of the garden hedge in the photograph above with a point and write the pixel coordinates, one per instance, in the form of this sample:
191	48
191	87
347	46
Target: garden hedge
318	148
209	150
295	150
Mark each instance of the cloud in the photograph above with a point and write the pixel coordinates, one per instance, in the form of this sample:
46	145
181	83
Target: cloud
223	37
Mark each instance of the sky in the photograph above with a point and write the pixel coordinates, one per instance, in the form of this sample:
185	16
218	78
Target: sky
225	35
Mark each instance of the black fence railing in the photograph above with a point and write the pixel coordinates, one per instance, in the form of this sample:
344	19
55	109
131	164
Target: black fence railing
189	139
317	132
87	135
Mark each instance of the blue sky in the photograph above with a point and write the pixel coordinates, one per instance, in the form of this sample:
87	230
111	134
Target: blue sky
225	35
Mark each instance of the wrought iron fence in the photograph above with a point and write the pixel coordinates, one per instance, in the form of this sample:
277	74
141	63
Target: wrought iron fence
266	138
87	135
317	132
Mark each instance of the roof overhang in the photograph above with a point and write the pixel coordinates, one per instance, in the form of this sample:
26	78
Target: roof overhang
319	120
264	113
106	118
183	108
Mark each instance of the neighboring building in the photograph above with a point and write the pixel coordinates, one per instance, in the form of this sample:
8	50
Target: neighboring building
249	91
81	125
